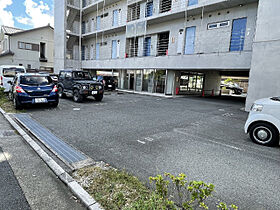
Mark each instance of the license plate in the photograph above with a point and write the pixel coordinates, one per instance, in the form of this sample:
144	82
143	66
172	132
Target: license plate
40	100
109	85
94	92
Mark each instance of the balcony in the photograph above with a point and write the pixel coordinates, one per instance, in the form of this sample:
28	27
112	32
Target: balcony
91	5
89	32
211	61
180	10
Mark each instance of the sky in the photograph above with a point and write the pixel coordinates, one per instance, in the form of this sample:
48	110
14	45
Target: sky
26	14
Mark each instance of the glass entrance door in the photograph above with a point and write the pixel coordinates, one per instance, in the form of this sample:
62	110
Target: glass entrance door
131	81
191	82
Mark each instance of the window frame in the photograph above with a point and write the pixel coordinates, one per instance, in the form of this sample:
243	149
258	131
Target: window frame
218	24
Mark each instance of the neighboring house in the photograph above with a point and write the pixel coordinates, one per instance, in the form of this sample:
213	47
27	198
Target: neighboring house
160	46
32	48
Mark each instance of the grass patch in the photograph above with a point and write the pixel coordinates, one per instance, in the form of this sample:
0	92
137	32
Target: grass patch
6	104
115	189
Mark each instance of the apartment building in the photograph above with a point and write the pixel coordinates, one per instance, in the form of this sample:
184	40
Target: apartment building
32	48
172	46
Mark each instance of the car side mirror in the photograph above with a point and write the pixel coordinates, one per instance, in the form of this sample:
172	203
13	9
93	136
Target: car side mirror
10	82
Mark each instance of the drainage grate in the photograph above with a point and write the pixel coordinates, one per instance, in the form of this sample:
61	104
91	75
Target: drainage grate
59	147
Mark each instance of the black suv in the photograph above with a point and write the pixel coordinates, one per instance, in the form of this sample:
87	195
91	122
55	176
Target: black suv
79	85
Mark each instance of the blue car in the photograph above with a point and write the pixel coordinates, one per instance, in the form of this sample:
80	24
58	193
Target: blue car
31	88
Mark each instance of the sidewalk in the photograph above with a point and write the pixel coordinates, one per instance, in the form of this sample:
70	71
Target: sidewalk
41	188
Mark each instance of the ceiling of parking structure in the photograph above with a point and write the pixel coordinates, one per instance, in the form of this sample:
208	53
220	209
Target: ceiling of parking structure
235	73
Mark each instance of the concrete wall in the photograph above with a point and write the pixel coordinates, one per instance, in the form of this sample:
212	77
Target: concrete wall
29	57
265	69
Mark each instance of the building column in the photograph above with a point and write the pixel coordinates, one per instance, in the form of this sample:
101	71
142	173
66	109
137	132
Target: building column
265	65
170	82
212	83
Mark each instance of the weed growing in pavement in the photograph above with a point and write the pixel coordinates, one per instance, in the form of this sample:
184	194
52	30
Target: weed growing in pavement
115	189
7	104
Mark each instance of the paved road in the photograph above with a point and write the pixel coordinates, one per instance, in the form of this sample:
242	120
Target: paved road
25	180
146	135
11	193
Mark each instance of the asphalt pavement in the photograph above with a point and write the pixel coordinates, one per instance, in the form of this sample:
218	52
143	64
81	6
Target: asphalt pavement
11	193
202	137
26	182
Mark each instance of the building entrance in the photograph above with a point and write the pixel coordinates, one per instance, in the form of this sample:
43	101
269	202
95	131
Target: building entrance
191	82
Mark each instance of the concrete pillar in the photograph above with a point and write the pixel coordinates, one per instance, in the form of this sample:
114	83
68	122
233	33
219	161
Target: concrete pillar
265	65
170	81
212	83
177	81
59	35
121	79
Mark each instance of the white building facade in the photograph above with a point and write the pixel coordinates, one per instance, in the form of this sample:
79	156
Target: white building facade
32	48
172	46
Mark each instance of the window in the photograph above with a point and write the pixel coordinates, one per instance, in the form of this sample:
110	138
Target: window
190	40
238	34
28	46
21	45
211	26
162	45
114	49
218	25
62	74
83	27
115	17
42	50
98	22
133	12
28	66
192	2
147	46
97	51
149	9
83	52
165	6
35	80
133	47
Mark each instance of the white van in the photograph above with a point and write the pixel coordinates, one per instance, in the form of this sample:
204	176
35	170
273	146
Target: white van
7	73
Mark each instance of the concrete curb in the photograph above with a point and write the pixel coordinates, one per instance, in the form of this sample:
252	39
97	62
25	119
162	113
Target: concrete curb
76	189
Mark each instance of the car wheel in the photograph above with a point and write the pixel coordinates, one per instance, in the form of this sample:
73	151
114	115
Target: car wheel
16	104
98	97
60	92
54	105
77	97
264	134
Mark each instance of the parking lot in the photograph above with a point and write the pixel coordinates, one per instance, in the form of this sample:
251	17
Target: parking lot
202	137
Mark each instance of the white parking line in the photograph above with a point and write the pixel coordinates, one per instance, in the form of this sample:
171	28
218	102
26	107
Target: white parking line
142	142
215	142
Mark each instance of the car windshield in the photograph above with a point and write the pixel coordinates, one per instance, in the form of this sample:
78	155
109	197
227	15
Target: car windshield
35	80
81	75
11	72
